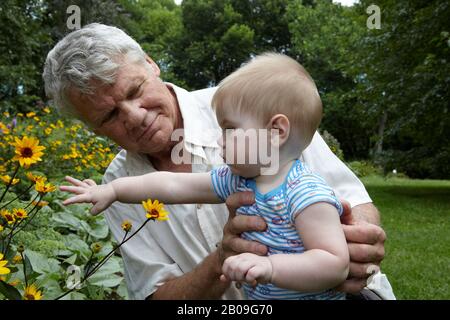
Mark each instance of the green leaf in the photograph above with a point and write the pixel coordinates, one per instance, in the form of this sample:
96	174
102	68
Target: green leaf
9	291
71	259
106	276
28	268
42	264
99	230
109	282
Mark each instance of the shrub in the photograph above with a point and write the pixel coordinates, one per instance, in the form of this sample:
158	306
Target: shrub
365	168
333	143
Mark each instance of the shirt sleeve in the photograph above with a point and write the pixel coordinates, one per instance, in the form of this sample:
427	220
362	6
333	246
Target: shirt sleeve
320	159
224	182
307	190
146	265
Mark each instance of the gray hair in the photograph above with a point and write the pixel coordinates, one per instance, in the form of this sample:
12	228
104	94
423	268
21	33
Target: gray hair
94	52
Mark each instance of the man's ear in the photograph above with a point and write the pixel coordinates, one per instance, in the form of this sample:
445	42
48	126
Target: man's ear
280	123
153	65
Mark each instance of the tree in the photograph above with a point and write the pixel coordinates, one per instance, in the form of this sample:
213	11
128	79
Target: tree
21	54
156	26
322	35
406	72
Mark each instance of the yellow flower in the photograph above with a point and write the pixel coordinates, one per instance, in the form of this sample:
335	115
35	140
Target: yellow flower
155	210
3	263
4	129
28	150
35	178
7	180
126	225
43	187
96	247
17	259
47	110
30	114
20	213
8	216
48	131
1	228
40	203
32	293
15	282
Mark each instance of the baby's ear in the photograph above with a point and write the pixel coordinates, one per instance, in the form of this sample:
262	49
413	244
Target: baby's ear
280	123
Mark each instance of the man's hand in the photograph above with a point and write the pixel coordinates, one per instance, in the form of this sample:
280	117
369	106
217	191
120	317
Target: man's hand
247	267
87	191
366	247
231	243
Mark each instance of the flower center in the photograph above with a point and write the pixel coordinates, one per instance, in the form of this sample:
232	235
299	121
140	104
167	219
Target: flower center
27	152
154	213
29	296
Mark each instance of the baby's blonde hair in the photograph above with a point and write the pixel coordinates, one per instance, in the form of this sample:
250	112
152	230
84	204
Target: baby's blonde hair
271	84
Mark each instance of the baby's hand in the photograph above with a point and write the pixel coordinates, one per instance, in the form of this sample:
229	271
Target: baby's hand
87	191
247	267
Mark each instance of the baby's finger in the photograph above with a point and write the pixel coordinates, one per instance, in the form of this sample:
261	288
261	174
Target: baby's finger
99	207
90	182
75	181
224	278
71	189
82	198
255	275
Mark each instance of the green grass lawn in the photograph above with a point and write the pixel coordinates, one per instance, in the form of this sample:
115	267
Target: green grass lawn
415	215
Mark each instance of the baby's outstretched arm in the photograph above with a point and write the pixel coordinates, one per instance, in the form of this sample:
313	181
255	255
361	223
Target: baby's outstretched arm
167	187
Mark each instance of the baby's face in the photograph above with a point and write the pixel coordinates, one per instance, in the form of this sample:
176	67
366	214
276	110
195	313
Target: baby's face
245	144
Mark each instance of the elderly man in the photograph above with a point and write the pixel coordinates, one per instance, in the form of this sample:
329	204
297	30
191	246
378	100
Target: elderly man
102	76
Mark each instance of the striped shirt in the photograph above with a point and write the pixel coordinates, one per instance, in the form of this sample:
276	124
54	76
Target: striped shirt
279	208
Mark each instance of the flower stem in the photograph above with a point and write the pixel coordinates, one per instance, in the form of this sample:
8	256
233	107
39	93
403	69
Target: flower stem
105	258
28	189
10	182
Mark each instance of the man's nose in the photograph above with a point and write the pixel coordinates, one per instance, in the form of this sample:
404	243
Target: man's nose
132	114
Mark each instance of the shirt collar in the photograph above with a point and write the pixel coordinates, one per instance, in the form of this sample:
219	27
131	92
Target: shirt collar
199	120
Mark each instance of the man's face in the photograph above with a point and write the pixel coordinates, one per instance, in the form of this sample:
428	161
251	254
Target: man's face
138	112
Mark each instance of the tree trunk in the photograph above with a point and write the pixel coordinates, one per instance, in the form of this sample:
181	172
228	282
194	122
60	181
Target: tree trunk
381	128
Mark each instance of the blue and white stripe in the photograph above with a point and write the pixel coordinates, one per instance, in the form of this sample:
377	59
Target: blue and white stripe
279	208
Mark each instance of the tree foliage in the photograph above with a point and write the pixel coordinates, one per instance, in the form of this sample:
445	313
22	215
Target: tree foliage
385	91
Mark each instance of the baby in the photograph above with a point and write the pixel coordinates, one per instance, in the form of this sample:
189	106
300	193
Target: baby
274	98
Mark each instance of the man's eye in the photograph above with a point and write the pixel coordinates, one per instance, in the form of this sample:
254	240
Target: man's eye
111	115
136	92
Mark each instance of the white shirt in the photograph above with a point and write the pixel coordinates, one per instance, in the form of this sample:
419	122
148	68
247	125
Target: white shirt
166	250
